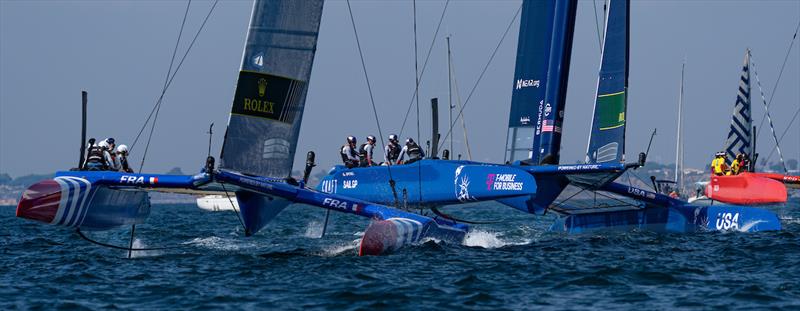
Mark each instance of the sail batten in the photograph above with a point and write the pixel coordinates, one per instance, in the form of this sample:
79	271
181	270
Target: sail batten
607	136
267	109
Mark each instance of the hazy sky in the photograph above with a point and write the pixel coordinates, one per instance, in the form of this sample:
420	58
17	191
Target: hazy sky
120	50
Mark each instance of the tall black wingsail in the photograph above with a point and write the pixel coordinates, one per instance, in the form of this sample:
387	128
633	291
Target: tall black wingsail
267	110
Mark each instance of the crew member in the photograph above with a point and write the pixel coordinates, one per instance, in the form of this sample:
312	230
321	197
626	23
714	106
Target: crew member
736	165
746	163
122	159
349	154
412	150
720	164
392	150
98	158
365	152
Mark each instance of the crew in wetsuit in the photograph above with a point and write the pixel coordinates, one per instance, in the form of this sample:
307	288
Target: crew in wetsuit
365	152
413	151
349	154
392	150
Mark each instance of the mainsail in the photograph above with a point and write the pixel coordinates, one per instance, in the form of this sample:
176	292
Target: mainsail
607	137
530	74
740	136
265	118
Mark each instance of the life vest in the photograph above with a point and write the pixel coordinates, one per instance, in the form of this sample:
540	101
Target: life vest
362	153
735	167
718	166
394	152
346	158
96	157
414	153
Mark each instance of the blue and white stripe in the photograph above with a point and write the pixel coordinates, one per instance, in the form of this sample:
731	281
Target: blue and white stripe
74	201
740	136
408	230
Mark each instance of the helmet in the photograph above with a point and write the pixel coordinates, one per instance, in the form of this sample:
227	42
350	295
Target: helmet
409	140
720	154
103	144
122	149
351	139
393	138
110	141
371	138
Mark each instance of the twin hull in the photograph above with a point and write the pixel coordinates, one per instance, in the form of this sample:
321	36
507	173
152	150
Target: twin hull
430	182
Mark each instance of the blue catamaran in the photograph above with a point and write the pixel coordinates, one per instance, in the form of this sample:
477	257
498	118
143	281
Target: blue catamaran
261	141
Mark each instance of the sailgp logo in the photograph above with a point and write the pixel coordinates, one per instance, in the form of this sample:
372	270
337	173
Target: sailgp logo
521	83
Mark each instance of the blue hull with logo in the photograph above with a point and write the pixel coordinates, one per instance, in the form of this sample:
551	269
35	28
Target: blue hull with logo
430	183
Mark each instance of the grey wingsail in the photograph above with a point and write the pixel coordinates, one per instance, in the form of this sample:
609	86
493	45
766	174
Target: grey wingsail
267	109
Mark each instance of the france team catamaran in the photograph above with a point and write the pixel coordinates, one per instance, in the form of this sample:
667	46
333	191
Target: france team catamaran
261	141
747	187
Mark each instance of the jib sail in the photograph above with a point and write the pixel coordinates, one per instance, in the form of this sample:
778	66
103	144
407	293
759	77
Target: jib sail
267	110
607	137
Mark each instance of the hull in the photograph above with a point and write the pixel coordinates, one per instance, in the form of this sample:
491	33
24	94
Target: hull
746	189
788	180
675	219
389	235
430	182
215	203
75	202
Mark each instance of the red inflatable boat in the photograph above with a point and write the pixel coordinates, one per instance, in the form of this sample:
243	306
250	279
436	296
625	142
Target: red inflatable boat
748	188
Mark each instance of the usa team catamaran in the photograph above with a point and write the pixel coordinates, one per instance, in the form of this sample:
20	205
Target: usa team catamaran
748	187
261	141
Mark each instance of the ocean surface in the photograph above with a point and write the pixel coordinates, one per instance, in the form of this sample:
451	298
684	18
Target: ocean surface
516	265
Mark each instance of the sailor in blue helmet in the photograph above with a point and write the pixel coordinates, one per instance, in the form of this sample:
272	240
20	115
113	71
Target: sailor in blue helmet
365	152
392	150
349	154
412	150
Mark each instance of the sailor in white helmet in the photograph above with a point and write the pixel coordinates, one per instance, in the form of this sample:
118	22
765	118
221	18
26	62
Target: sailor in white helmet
392	150
349	154
122	159
412	150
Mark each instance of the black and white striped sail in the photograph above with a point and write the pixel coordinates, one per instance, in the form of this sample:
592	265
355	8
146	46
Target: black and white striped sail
267	110
740	136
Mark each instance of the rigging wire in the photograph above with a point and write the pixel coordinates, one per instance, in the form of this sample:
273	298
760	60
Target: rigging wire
784	133
372	99
169	72
766	108
227	195
416	92
597	26
424	66
475	86
458	101
157	107
780	73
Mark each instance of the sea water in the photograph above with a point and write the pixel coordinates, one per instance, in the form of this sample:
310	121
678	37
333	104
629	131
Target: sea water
207	263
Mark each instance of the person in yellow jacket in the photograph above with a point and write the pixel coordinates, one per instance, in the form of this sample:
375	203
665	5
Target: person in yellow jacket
720	164
736	165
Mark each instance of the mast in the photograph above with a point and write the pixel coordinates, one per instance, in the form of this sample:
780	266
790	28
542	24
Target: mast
450	93
679	143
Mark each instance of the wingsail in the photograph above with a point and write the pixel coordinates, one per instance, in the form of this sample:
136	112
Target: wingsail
740	136
530	78
607	138
265	118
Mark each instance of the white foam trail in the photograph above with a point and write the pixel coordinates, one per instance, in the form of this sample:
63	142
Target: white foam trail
218	243
139	254
338	249
488	239
750	225
313	230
